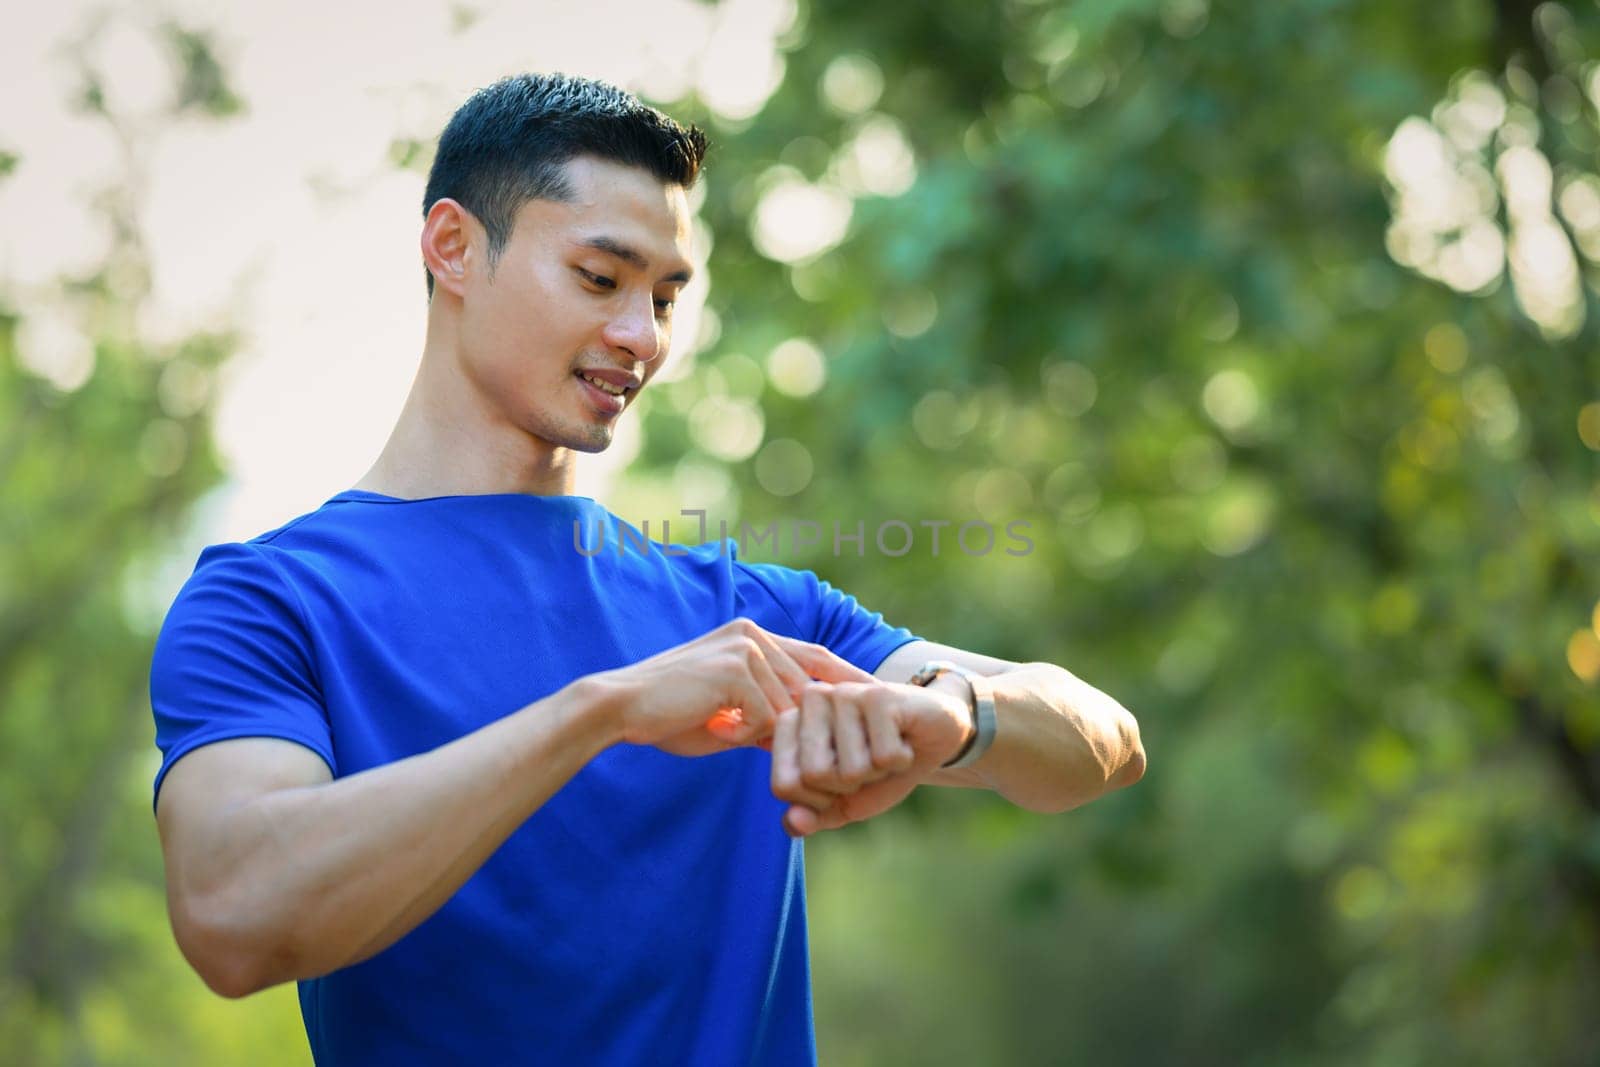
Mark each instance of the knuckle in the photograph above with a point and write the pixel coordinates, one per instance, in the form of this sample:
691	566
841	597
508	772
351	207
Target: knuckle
858	693
816	777
894	760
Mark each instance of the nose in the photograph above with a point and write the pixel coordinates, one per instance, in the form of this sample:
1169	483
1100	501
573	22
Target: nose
635	329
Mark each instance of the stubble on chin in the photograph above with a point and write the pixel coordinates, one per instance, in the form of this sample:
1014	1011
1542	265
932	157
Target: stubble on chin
599	439
593	437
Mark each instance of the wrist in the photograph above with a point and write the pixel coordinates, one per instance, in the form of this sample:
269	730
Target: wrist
961	689
982	704
599	704
565	729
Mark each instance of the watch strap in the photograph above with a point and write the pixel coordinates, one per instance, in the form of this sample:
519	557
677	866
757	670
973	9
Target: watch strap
982	708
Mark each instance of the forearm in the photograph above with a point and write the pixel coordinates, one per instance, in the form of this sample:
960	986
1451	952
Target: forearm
307	880
1060	742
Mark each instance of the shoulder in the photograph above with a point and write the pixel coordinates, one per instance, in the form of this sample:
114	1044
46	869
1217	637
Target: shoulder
237	603
238	567
232	565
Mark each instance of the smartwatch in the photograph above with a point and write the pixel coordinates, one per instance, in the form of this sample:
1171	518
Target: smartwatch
983	720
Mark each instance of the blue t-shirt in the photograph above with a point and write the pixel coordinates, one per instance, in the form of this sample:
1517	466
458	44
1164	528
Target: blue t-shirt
653	910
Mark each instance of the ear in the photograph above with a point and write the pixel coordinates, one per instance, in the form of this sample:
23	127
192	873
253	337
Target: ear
452	241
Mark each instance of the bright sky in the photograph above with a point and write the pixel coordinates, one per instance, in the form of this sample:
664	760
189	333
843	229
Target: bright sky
288	222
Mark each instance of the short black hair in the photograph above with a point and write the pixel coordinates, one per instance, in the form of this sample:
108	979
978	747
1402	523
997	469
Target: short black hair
510	142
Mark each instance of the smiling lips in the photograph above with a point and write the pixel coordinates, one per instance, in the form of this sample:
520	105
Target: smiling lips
601	383
608	390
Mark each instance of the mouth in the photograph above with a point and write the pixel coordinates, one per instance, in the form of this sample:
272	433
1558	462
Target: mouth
606	397
605	386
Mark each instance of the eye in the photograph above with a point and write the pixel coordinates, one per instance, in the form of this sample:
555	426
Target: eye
599	281
665	306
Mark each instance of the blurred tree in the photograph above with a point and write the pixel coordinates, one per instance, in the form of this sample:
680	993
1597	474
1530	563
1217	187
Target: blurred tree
106	451
1276	322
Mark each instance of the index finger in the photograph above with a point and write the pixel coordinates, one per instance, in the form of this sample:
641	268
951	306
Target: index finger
791	675
820	663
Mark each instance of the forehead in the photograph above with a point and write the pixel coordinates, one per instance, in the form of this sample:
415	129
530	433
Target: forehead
625	204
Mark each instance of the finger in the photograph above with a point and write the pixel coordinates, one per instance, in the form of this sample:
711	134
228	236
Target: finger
890	752
746	649
872	800
786	780
791	675
726	723
767	666
789	672
754	715
735	727
801	821
850	748
818	766
820	663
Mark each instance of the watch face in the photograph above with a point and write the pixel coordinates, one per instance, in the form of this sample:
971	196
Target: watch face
929	671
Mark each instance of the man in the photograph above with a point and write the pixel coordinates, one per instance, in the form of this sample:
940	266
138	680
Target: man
493	800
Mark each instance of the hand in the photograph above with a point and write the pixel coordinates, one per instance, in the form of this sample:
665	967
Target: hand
853	750
722	690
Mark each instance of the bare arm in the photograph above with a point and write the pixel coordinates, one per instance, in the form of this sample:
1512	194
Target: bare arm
276	871
1061	742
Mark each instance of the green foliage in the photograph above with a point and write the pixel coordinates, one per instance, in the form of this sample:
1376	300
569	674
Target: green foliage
1329	525
1326	524
202	83
102	472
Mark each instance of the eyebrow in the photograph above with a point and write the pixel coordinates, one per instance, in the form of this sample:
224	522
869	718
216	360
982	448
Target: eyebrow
630	255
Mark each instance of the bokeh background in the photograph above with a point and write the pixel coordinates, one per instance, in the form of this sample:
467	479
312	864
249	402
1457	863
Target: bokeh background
1276	321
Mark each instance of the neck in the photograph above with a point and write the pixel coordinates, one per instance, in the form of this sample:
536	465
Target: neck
448	442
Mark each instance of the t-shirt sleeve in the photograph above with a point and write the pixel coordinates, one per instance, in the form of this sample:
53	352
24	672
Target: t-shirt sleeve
233	659
820	613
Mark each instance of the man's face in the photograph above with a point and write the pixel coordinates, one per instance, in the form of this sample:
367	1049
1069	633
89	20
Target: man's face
580	305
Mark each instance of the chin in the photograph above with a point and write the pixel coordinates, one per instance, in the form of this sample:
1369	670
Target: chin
594	439
574	434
